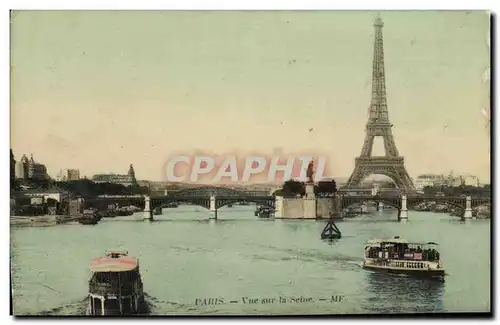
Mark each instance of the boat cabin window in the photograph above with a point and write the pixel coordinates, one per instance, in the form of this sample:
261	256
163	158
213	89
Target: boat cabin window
112	307
96	306
112	277
126	305
374	252
403	251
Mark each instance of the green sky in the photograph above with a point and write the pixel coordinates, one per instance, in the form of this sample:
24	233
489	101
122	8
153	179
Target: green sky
100	90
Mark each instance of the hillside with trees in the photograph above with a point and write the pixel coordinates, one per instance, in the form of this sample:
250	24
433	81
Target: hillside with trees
86	187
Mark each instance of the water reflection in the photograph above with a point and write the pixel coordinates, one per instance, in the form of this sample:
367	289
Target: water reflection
292	225
330	242
79	308
388	293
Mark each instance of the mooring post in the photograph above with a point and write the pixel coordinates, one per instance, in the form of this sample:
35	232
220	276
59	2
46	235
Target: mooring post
468	209
403	214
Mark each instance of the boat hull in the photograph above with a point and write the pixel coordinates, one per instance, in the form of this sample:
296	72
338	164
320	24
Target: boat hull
88	221
140	308
410	272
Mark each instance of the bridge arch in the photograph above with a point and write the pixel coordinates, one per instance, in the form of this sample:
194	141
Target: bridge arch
274	189
161	201
348	202
264	201
412	202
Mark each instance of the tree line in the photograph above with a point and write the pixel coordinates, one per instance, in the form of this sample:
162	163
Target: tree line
294	188
86	187
473	191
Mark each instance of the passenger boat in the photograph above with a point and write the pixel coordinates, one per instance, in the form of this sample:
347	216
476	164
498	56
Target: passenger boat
115	287
89	217
400	256
263	212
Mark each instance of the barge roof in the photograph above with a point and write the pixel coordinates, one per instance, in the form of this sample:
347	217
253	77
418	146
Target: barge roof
397	241
114	262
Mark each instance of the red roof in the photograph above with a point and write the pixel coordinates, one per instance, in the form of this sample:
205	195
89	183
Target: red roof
107	263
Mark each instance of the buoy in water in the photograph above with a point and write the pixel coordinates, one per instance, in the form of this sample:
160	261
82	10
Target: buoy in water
331	231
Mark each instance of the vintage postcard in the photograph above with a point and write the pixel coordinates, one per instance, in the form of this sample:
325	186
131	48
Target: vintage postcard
250	163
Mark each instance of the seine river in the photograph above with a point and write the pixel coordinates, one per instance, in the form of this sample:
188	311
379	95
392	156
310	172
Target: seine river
185	257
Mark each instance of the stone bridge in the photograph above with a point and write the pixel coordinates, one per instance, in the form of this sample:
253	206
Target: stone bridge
214	198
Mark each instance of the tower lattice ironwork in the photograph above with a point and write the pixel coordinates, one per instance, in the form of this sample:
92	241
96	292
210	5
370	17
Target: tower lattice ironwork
391	165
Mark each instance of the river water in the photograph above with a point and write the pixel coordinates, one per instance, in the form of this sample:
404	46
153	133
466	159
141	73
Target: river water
185	257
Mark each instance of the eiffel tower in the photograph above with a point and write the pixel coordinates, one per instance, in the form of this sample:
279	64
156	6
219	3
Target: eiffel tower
391	165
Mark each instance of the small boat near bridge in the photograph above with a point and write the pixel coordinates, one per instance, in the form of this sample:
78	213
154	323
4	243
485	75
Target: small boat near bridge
89	217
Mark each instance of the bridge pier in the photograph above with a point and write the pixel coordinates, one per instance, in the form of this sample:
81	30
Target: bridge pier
213	206
278	209
310	202
380	206
147	213
468	209
403	213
